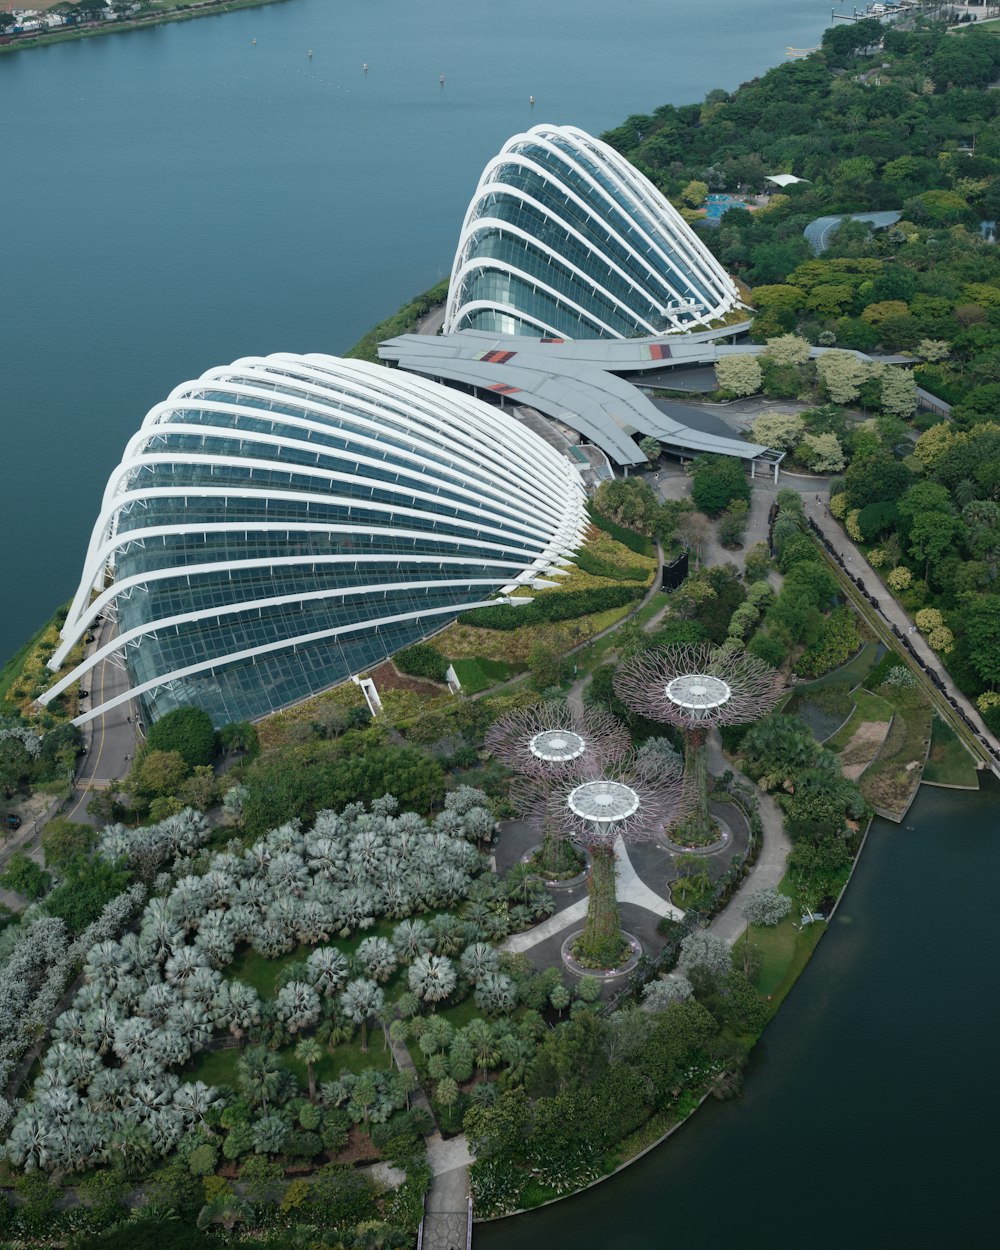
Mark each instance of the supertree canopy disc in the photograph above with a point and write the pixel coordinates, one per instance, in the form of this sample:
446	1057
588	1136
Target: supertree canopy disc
596	807
547	741
696	686
698	694
602	802
557	746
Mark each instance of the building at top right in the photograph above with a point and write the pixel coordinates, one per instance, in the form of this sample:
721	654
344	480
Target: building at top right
565	239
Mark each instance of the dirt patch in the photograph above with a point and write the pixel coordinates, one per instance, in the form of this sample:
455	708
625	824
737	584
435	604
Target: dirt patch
388	677
862	747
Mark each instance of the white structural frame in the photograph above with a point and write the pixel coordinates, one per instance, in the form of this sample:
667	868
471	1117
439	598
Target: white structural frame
516	504
690	261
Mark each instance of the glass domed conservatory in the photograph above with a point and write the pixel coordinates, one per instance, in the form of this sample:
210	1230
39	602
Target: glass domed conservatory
564	238
286	521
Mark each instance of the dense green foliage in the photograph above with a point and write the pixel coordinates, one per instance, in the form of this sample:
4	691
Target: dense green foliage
284	786
559	605
639	543
401	323
716	482
186	730
422	660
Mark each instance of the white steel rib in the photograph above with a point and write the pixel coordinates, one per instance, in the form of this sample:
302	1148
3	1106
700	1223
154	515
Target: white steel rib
563	232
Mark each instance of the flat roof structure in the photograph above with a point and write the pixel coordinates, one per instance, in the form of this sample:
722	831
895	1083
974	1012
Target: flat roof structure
575	382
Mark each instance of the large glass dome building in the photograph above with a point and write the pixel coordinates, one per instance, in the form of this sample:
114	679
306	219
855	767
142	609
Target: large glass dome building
564	238
286	521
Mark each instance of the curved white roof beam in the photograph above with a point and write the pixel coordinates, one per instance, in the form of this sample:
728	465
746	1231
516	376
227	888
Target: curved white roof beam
657	276
511	508
252	653
105	529
364	406
132	637
659	242
497	223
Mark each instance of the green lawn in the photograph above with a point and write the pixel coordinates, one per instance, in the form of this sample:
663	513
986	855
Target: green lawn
786	950
949	763
347	1058
867	707
480	674
216	1067
888	783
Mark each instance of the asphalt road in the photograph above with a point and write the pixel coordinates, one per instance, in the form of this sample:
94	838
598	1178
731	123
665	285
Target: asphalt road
111	742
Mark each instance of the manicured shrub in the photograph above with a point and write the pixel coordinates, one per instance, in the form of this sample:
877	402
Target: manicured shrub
422	660
187	730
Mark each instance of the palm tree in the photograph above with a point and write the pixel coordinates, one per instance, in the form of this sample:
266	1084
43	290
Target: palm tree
480	1037
297	1006
227	1210
309	1052
327	969
377	957
361	1000
432	978
258	1075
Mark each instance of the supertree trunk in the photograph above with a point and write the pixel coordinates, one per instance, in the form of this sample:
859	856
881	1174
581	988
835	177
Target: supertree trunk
601	945
697	827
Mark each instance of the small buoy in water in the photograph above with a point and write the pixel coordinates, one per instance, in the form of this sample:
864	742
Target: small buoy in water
531	99
365	67
441	80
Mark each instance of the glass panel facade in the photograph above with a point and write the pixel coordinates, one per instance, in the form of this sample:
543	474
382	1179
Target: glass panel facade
617	259
273	530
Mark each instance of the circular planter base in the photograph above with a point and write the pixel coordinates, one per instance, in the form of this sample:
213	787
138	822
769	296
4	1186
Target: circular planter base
602	974
724	840
565	883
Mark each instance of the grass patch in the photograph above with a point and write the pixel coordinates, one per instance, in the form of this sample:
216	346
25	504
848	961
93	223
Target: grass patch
216	1067
949	763
786	949
477	673
868	707
347	1058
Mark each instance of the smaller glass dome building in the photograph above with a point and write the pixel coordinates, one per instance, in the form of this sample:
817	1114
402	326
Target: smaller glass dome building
564	238
286	521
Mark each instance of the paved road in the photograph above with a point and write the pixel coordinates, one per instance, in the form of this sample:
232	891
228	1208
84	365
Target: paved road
110	738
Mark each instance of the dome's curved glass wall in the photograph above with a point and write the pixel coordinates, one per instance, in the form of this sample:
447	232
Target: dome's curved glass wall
286	521
565	238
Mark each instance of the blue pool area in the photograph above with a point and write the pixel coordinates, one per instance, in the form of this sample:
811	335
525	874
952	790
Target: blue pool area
716	205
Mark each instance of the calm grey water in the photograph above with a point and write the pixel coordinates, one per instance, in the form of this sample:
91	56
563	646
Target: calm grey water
176	198
869	1113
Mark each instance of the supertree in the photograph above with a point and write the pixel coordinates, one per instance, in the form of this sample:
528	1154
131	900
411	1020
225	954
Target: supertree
697	687
594	808
546	744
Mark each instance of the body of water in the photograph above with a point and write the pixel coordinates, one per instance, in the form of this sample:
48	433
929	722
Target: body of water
869	1112
176	198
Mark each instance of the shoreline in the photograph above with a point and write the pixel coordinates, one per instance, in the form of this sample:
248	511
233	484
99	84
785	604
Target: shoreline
66	34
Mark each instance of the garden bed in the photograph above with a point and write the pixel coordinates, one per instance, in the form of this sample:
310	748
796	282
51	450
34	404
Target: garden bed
892	780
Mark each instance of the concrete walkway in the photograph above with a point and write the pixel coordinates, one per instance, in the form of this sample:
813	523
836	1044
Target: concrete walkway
772	861
629	888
